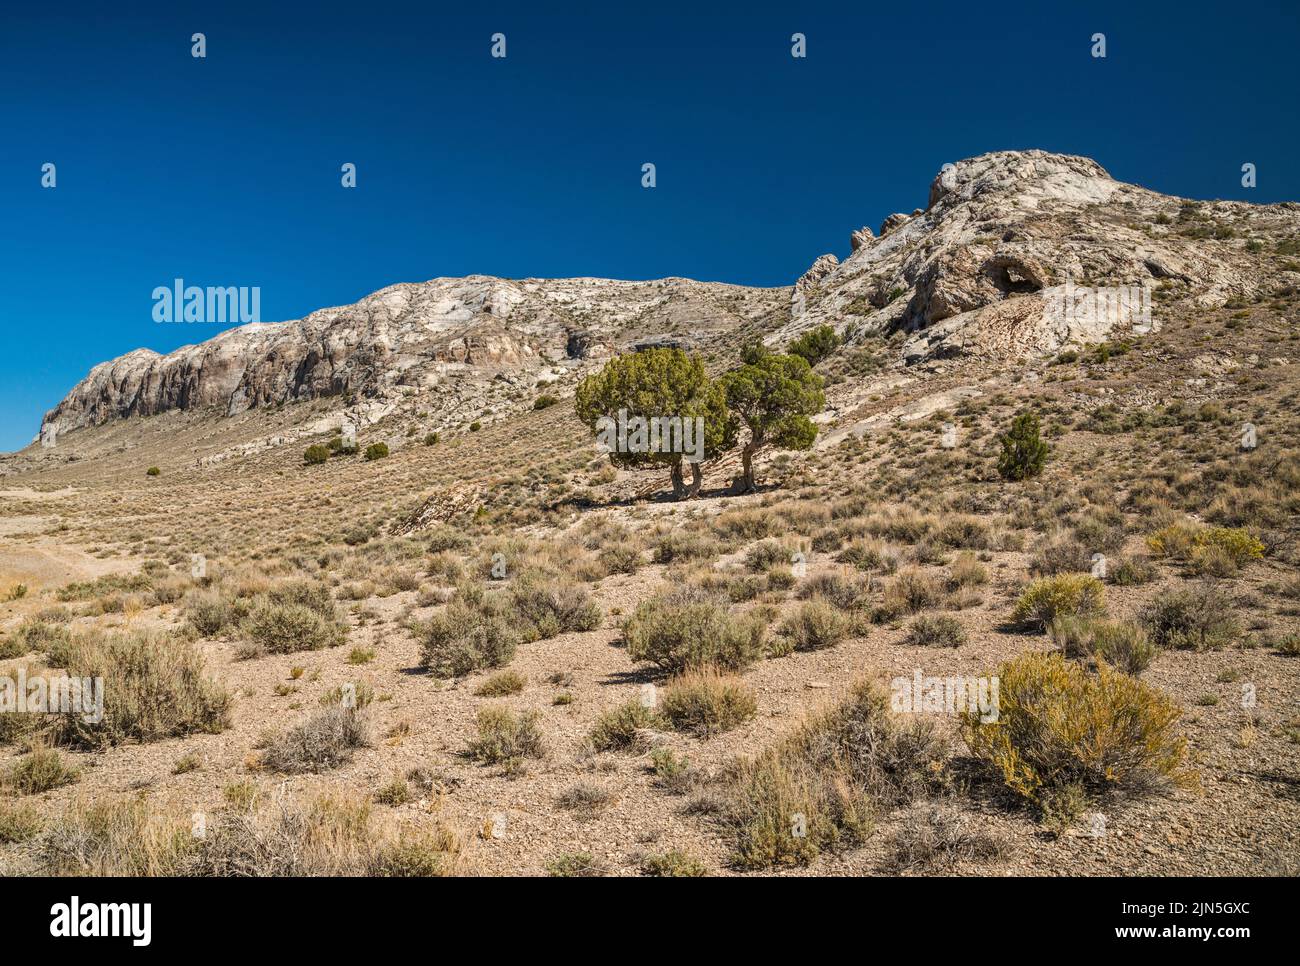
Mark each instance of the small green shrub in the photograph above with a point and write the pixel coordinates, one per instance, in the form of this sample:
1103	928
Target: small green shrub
942	631
315	454
376	451
1197	620
1064	595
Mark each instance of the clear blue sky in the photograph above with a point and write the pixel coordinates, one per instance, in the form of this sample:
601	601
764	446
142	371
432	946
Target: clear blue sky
225	171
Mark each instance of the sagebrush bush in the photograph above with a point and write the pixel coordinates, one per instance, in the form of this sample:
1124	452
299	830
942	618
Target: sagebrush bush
705	702
943	631
325	740
835	770
505	737
688	627
1063	595
297	615
1199	620
616	729
1120	644
154	687
1059	725
554	607
814	625
469	634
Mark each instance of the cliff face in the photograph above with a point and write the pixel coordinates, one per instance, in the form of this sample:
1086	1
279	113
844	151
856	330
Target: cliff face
410	337
1007	259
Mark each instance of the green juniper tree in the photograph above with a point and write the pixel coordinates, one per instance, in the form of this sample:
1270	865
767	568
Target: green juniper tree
1023	452
665	385
774	395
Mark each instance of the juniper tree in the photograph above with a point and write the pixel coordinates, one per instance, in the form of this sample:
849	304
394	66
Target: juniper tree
774	395
666	397
1023	452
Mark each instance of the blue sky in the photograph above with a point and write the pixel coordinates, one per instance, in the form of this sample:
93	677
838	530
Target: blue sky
225	170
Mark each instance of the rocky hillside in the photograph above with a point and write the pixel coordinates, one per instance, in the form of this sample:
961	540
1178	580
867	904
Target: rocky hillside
468	340
983	270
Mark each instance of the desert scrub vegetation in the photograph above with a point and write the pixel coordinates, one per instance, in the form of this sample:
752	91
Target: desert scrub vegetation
323	836
943	631
1216	551
473	632
154	686
619	728
1121	644
1062	595
325	740
814	625
1062	730
553	607
704	702
297	615
937	837
506	738
1200	620
500	685
41	770
839	769
575	865
1023	451
688	627
673	864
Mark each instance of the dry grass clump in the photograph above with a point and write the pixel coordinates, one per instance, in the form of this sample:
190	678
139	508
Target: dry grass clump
325	740
674	864
818	789
845	591
937	837
1063	595
684	547
1061	727
18	822
123	837
506	738
501	684
762	557
575	865
870	554
1120	644
705	702
327	836
688	627
911	591
43	770
154	687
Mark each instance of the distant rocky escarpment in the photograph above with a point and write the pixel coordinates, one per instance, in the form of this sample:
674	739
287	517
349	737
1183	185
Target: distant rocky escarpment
1016	253
468	338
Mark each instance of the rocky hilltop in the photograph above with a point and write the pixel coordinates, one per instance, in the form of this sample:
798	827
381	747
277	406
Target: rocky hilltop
990	267
983	269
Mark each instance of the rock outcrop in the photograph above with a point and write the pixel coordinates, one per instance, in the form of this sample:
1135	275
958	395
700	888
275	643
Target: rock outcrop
1016	253
1021	252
